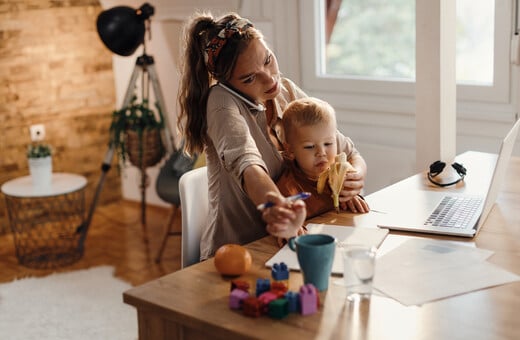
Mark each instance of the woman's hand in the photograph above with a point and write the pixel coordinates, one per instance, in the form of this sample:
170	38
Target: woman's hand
352	186
284	219
282	241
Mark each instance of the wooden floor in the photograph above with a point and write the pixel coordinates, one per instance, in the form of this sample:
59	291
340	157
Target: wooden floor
115	238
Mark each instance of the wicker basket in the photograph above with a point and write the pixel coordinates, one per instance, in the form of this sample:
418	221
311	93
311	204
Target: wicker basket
152	147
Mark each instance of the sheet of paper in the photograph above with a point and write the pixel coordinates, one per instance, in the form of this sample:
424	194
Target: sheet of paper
423	270
345	234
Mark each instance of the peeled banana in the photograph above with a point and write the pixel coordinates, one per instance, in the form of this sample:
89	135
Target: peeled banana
335	176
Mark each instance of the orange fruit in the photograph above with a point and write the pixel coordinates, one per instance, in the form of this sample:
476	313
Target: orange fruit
232	259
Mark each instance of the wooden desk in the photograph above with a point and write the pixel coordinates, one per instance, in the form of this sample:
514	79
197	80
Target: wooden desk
193	303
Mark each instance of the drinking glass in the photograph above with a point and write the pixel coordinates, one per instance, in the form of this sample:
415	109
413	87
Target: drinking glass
358	270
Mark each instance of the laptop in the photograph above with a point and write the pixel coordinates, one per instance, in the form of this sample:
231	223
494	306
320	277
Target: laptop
466	213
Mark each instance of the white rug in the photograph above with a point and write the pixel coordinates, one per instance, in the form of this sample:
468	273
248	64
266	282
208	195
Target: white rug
85	304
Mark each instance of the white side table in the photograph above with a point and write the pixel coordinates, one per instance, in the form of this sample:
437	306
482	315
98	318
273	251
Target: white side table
46	221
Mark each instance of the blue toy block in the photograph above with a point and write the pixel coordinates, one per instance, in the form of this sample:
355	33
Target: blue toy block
262	286
278	308
237	297
293	301
308	299
280	272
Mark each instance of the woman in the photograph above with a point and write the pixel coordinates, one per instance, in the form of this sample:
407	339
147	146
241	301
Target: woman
231	100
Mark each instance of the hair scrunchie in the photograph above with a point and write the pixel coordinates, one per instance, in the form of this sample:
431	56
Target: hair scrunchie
213	48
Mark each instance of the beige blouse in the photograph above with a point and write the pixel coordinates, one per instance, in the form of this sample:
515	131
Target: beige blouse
238	138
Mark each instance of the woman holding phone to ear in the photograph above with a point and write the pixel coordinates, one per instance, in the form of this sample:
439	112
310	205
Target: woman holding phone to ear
231	98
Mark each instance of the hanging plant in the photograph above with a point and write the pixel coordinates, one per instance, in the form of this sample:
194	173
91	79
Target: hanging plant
135	132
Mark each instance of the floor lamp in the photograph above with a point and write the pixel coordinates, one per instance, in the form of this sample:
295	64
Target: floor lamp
122	29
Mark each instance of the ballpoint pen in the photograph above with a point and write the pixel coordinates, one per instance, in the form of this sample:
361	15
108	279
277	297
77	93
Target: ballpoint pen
299	196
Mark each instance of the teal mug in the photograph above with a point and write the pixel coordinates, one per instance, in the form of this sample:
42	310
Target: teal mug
315	254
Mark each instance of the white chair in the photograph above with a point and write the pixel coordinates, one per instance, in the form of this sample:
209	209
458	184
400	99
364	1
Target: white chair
193	189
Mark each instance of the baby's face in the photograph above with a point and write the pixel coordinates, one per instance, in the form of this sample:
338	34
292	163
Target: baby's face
314	147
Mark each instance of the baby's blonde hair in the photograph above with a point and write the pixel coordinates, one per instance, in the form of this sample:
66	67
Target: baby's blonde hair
306	111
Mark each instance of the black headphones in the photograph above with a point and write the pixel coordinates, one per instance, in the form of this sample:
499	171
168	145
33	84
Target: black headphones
437	167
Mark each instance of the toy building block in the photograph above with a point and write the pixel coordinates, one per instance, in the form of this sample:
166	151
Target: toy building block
308	299
293	301
265	298
278	308
240	284
251	306
279	288
237	297
262	286
280	272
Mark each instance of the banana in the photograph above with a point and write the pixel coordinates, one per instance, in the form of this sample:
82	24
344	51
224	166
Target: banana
335	176
322	180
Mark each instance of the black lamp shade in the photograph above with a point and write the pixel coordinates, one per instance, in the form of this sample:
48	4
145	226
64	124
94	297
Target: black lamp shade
121	29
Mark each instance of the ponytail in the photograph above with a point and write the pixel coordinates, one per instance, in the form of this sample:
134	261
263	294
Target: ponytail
195	84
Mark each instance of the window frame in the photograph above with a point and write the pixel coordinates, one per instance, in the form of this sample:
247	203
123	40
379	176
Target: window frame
370	93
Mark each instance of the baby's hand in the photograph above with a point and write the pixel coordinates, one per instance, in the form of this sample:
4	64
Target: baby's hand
357	205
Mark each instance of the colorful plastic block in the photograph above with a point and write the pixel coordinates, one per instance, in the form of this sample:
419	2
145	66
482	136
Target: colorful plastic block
293	301
279	288
280	272
252	307
265	298
308	299
278	308
262	286
240	284
237	297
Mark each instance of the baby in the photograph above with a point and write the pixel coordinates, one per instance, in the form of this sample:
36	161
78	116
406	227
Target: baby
311	144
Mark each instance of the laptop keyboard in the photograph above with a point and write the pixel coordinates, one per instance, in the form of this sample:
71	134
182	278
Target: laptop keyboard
454	212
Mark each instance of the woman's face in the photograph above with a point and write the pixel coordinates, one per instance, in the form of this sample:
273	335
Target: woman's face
256	72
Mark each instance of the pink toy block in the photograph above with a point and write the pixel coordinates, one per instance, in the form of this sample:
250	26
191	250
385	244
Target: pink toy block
265	298
308	299
236	298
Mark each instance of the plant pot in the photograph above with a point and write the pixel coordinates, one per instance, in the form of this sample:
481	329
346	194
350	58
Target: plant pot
41	170
145	150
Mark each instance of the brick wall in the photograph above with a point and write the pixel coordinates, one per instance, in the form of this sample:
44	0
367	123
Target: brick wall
54	70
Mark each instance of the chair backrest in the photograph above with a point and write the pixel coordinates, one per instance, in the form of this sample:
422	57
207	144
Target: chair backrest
193	187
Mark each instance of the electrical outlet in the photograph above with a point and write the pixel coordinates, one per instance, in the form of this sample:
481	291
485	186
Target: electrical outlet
37	132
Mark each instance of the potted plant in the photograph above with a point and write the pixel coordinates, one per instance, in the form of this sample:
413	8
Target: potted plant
39	156
135	132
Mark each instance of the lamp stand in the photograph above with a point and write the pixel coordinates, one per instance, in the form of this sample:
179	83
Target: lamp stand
144	66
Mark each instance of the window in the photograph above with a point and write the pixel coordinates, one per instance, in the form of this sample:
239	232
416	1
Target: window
368	47
377	40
